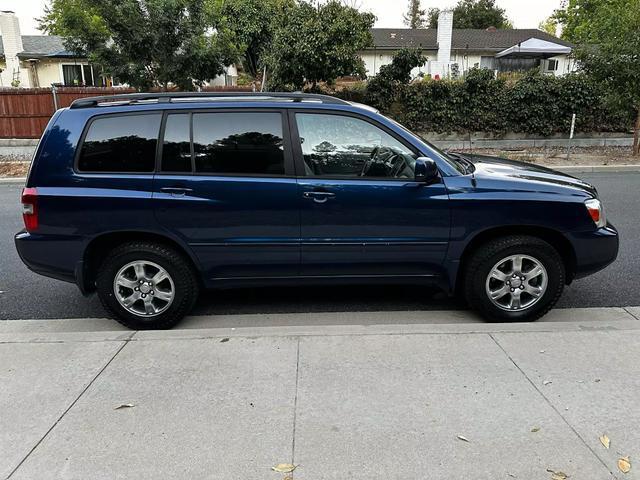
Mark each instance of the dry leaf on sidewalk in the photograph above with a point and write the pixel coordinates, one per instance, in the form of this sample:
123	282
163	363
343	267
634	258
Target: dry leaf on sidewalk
624	464
284	468
535	429
604	440
124	405
557	475
547	382
463	438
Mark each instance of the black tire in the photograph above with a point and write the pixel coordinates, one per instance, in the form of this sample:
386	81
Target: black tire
481	263
174	263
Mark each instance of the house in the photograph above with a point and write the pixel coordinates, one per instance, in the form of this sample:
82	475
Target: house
452	50
30	61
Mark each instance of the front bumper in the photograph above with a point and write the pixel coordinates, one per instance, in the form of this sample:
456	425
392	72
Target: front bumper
594	250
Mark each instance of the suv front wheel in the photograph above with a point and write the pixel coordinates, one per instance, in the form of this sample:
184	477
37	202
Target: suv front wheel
514	278
146	285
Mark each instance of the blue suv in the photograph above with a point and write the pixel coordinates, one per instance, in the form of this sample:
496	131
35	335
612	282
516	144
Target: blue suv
148	198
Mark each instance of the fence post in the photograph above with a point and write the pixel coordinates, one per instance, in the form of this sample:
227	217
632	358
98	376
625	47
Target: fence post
573	125
55	98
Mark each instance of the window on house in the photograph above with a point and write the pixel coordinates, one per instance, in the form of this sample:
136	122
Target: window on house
487	62
238	143
552	65
80	75
122	143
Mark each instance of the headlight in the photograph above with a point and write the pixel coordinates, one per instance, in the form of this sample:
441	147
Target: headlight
596	212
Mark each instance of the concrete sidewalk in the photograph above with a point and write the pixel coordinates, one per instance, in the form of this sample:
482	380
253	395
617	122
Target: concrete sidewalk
344	396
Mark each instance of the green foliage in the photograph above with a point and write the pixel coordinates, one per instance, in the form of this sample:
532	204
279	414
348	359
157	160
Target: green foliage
415	16
315	44
473	14
388	84
549	25
252	24
608	33
145	43
532	103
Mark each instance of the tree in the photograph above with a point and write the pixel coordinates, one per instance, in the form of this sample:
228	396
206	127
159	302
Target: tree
145	43
414	18
384	88
608	35
319	43
474	14
252	24
549	25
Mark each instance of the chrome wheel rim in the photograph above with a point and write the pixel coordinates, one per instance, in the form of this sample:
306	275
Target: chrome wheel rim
144	288
516	282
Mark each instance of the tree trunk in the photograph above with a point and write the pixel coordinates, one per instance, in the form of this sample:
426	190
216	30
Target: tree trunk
636	134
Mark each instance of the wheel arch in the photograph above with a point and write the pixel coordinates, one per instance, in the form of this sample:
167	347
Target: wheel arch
554	237
99	246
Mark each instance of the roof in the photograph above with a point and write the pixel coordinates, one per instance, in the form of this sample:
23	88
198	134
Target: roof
463	38
41	46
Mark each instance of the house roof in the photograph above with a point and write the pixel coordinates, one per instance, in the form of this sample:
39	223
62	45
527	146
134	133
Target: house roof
41	46
463	38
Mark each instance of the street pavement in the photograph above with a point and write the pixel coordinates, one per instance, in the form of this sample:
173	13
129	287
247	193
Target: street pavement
26	295
378	397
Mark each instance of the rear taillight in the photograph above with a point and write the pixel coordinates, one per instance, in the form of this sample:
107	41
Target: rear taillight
30	208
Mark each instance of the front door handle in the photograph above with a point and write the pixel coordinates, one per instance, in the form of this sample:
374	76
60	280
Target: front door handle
319	197
176	190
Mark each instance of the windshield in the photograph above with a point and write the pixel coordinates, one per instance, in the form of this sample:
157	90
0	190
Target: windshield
459	166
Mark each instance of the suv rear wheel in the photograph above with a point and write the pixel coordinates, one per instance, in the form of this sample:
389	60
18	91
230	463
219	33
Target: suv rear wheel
515	278
146	285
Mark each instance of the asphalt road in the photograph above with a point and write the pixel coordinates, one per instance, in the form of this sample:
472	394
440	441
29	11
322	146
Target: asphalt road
25	295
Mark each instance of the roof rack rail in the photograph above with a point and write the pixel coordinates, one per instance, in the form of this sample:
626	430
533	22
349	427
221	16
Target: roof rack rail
167	97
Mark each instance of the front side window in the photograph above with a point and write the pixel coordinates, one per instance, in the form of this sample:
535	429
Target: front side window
338	145
243	143
124	143
176	148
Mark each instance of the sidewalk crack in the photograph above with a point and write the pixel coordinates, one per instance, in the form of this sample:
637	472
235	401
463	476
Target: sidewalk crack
630	313
558	412
295	405
68	408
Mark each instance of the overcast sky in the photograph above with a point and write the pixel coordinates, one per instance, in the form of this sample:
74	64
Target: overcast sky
523	13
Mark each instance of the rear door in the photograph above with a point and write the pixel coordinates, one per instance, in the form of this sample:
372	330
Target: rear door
362	213
226	186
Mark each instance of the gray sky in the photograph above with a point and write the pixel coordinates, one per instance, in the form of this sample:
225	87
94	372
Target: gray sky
523	13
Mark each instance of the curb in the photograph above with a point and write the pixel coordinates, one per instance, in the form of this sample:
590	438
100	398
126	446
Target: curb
13	179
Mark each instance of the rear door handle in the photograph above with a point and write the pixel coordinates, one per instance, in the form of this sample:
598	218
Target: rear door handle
319	197
176	190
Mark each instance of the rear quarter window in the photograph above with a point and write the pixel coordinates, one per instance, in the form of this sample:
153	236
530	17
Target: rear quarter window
121	144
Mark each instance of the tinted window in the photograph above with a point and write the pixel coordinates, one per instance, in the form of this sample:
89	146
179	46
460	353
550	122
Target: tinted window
176	149
124	143
240	143
337	145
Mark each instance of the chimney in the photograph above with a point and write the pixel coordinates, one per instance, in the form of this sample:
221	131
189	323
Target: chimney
445	32
12	43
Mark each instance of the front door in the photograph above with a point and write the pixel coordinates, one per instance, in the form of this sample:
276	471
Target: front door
226	187
362	212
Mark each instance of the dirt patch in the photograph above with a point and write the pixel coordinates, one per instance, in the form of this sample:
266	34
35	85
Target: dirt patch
555	156
14	169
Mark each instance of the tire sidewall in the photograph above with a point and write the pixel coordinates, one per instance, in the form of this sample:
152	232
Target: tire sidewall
542	252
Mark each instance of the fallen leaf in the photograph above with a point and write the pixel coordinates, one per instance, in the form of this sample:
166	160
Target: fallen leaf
224	340
624	465
124	405
535	429
557	475
463	438
604	440
597	380
288	477
284	468
547	382
511	475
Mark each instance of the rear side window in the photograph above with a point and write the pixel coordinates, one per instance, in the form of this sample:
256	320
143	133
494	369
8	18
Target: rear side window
122	144
176	147
238	143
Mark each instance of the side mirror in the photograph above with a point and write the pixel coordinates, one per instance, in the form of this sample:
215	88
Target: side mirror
426	170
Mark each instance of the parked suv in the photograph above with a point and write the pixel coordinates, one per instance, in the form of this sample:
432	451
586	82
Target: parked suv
149	198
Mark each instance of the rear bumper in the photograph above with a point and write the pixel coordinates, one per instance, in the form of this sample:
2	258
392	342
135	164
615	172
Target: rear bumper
594	250
52	256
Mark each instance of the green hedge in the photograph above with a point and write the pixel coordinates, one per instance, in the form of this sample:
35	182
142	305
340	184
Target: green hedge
531	103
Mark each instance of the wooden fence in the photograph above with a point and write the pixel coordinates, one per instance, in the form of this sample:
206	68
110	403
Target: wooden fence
24	112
